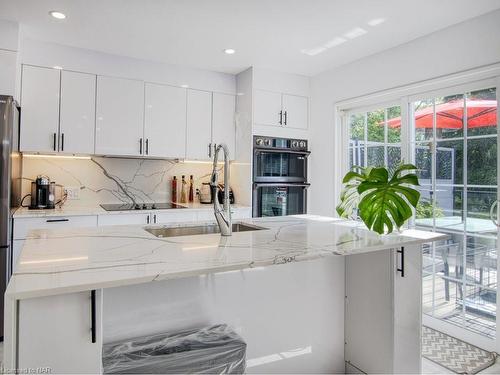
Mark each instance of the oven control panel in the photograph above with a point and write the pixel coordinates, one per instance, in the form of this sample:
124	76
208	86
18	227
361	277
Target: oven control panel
279	143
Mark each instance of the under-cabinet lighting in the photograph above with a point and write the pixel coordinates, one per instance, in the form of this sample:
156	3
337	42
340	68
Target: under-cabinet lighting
56	260
200	162
40	156
58	15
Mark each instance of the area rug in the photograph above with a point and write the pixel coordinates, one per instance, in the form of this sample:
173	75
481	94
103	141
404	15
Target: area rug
454	354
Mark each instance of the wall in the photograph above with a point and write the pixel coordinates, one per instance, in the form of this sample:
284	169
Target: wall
102	180
50	54
467	45
146	180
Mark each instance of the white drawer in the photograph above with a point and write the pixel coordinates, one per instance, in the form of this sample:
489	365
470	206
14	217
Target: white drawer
23	225
124	219
174	216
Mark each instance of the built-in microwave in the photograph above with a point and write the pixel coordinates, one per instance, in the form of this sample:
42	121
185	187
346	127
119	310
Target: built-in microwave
279	176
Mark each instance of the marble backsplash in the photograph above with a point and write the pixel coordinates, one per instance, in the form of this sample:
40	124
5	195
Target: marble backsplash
113	180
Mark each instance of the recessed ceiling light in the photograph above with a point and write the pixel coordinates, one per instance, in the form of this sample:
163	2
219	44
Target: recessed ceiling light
229	51
376	21
185	86
58	15
335	42
57	67
354	33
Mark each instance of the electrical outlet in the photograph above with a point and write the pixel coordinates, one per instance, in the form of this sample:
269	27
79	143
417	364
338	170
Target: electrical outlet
72	192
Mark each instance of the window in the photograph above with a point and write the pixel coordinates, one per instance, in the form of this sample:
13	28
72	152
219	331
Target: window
452	139
455	147
373	139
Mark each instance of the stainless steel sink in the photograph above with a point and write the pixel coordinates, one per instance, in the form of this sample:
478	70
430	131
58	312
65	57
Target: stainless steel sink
199	229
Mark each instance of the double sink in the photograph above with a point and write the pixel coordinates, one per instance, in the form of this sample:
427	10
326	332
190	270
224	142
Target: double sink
198	229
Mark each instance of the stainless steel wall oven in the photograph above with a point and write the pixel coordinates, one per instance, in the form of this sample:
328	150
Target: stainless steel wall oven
279	176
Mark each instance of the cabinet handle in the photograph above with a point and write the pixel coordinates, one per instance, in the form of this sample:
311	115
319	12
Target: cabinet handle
140	146
147	219
147	146
286	113
92	316
209	150
402	269
281	117
154	218
56	220
62	141
54	140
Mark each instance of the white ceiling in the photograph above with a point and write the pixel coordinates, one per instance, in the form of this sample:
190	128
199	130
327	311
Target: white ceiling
265	33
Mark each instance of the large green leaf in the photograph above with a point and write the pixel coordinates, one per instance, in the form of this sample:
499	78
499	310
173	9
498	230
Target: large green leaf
382	203
349	196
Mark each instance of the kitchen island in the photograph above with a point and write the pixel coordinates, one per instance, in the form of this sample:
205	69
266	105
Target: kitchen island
75	289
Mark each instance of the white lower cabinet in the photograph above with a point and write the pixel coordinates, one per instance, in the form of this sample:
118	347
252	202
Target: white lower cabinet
165	217
23	225
55	332
383	310
124	219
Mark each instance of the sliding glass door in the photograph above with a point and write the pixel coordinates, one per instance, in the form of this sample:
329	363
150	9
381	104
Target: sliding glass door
453	141
452	137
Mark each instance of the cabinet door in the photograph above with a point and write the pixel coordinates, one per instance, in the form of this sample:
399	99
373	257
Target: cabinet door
77	113
199	124
166	217
295	111
223	124
40	106
55	333
120	110
267	108
165	121
124	219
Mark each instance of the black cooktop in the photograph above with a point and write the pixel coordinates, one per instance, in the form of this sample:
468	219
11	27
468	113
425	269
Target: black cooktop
140	206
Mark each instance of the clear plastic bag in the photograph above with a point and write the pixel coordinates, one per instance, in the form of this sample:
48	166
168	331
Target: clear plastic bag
211	350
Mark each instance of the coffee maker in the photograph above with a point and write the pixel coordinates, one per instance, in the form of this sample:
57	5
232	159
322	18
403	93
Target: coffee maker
43	193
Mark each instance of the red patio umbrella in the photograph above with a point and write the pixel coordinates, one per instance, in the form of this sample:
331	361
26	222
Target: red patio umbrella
450	115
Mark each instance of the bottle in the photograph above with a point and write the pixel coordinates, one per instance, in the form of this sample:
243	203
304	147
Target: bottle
174	189
191	189
183	190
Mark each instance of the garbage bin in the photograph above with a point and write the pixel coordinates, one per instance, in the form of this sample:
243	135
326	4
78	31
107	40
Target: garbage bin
211	350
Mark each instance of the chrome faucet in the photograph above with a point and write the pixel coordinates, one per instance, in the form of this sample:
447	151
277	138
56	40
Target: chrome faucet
222	214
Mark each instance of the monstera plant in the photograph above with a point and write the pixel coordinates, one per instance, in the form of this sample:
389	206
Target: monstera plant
381	202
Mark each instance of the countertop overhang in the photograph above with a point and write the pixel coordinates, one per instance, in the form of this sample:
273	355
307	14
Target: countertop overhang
62	261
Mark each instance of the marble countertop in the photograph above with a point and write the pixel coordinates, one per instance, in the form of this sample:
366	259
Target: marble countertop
71	260
75	210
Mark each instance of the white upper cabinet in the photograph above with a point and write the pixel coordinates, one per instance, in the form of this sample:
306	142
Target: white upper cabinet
165	121
278	109
77	120
199	124
120	117
295	111
223	121
40	109
267	108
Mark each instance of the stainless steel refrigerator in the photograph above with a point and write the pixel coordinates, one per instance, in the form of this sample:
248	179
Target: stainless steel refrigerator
10	188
